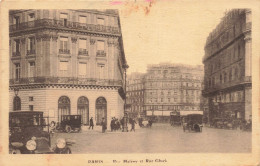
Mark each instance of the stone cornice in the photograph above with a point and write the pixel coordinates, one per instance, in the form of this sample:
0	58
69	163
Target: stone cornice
63	86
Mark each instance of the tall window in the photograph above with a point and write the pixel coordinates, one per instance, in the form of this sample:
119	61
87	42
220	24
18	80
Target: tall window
83	109
31	46
63	66
16	103
63	106
82	46
82	69
17	21
101	21
100	45
31	69
83	19
64	18
16	48
64	45
101	71
31	17
17	71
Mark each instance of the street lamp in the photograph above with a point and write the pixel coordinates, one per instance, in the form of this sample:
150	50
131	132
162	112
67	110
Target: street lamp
125	128
16	90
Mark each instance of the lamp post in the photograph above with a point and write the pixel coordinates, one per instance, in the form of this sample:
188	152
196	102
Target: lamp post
125	128
16	90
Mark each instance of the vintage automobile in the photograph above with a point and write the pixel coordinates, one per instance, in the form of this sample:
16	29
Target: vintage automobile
175	119
69	123
192	122
29	134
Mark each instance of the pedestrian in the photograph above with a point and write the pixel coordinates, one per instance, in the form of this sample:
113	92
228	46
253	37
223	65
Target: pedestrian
91	123
104	125
112	125
133	122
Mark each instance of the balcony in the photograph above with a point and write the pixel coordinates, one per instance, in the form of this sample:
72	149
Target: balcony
66	81
64	51
51	23
83	52
101	53
30	52
16	54
242	81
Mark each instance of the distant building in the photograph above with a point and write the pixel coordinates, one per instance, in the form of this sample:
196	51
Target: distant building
135	94
172	88
67	62
228	67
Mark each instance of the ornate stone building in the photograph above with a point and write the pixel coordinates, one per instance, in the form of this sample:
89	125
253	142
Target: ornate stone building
172	88
135	94
227	66
67	62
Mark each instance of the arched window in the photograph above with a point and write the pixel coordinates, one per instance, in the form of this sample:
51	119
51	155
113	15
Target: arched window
101	110
17	103
220	78
63	106
225	77
83	109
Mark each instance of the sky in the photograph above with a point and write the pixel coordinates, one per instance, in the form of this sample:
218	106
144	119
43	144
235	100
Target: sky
167	33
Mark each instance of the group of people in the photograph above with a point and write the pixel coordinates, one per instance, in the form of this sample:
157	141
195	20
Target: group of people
115	124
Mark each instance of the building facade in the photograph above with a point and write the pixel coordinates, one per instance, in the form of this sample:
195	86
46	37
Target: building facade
227	66
172	88
67	62
135	94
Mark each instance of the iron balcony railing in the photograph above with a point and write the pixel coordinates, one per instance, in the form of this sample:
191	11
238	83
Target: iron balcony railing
101	53
66	81
243	80
83	52
51	23
64	51
15	54
30	52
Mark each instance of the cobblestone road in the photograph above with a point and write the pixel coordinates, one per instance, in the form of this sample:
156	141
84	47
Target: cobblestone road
161	138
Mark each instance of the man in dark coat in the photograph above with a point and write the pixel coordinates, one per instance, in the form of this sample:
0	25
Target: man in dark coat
133	124
104	125
91	123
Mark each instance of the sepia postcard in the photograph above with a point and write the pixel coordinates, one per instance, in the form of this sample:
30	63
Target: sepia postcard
134	82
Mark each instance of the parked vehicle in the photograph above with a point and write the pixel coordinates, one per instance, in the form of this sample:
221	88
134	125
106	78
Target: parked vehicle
192	122
29	133
69	123
175	119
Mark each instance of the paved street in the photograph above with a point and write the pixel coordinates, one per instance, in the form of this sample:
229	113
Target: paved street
161	138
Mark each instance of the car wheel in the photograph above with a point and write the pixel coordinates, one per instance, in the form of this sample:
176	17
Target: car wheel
15	151
68	129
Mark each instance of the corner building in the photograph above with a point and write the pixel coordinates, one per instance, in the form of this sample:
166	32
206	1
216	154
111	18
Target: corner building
228	67
67	62
172	88
135	94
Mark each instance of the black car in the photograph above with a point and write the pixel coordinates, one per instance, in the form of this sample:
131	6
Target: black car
192	122
69	123
29	134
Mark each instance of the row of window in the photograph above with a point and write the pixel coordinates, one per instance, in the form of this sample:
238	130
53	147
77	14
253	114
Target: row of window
63	70
63	16
224	77
173	84
227	57
156	100
63	48
171	107
230	97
